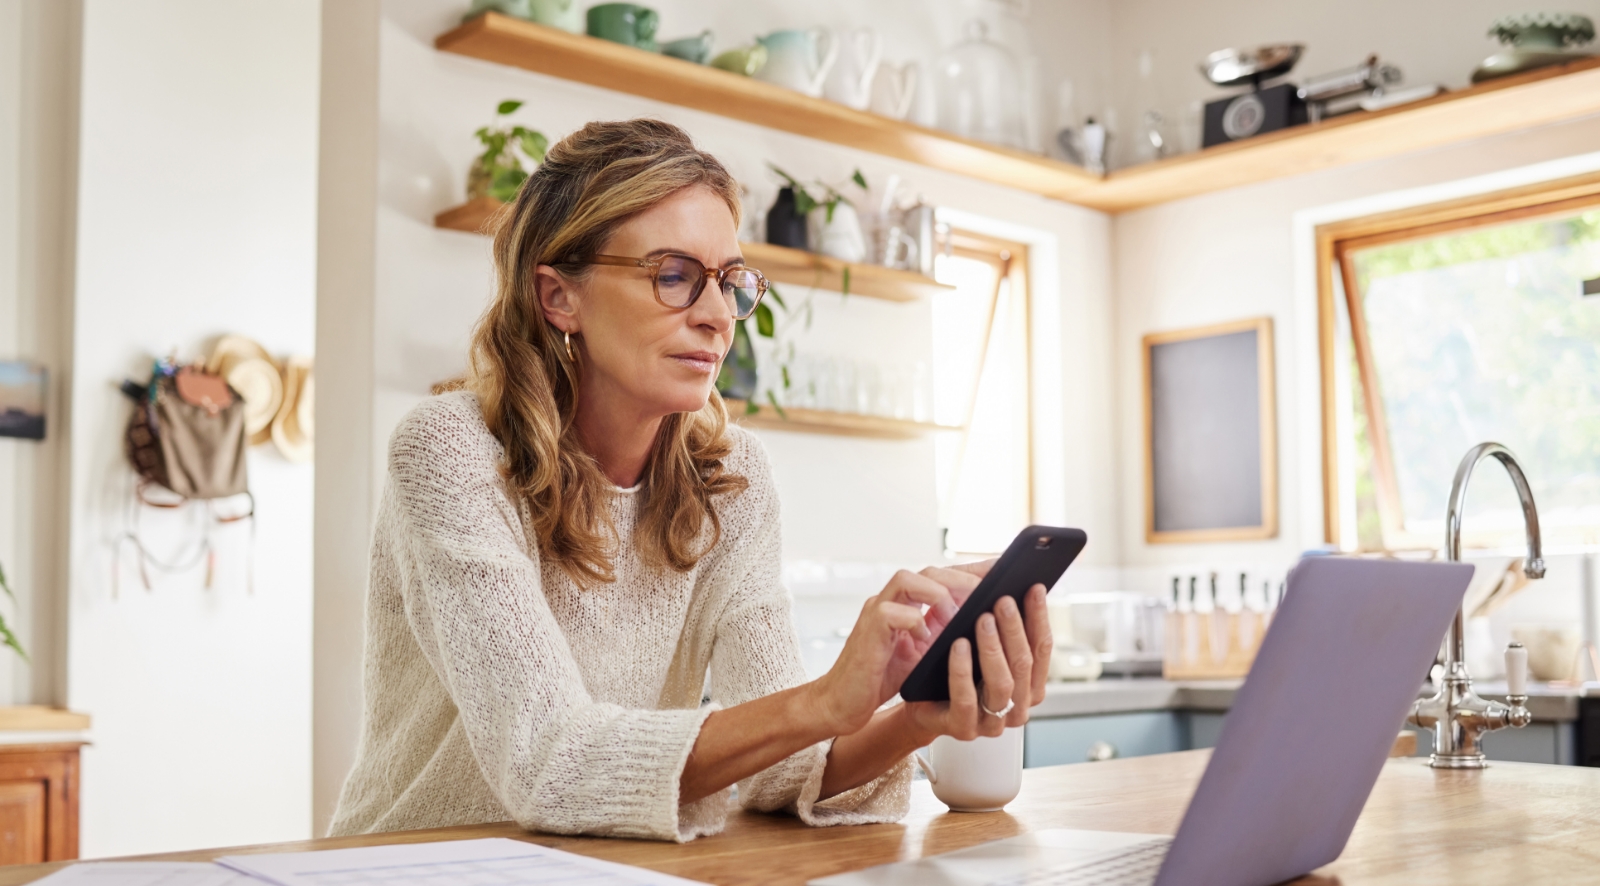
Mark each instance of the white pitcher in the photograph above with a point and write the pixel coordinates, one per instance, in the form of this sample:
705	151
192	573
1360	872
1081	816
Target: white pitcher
799	60
850	81
893	87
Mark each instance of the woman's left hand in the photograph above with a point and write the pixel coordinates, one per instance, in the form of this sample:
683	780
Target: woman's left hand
1013	658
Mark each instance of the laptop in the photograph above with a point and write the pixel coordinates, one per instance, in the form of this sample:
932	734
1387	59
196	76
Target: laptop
1329	690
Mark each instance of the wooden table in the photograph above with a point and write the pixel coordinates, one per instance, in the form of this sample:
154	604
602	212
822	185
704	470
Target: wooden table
1518	823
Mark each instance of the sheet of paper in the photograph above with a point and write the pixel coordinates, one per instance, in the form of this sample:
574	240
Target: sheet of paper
147	873
456	863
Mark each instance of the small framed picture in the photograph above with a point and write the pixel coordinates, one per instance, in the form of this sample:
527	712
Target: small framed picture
22	400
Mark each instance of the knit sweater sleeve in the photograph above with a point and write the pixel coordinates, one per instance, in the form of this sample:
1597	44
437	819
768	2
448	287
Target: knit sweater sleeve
757	653
556	759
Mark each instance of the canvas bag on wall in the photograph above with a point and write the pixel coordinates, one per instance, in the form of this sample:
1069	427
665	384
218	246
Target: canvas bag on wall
187	434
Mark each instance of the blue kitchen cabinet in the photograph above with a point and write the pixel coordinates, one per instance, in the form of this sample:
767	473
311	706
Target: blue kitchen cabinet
1056	740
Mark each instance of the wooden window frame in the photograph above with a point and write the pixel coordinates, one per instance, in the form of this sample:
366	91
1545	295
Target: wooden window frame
1334	242
1009	258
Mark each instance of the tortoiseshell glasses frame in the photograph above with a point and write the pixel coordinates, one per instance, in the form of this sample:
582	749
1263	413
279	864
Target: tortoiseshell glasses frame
678	280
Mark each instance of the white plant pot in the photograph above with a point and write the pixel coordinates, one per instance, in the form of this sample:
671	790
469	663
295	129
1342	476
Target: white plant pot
841	238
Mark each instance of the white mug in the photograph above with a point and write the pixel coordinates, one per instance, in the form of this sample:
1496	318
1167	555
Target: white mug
849	82
981	775
893	88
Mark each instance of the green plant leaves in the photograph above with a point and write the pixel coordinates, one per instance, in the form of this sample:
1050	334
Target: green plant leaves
533	143
505	168
766	324
844	287
773	399
6	637
772	292
859	179
505	183
10	639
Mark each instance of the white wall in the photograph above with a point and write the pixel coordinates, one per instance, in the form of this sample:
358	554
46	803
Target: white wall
197	187
38	144
1432	41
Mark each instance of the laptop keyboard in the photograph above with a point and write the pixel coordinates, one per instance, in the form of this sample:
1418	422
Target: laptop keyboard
1137	866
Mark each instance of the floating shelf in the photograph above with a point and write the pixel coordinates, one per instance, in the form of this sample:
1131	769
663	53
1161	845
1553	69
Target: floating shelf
780	263
509	41
801	268
472	216
1536	98
818	421
1548	95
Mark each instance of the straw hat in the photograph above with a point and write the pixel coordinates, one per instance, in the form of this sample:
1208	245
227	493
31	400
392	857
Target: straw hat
292	428
251	372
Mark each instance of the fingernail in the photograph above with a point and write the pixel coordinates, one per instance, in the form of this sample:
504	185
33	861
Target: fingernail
1009	604
986	624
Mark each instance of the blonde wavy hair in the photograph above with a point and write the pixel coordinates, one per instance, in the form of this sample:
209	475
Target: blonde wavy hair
590	183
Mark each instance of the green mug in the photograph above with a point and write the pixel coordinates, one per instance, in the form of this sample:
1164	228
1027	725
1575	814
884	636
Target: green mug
563	14
744	61
514	8
627	23
695	49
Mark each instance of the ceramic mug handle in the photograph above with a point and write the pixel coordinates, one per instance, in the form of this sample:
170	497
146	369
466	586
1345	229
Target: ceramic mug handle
908	88
825	48
927	768
645	24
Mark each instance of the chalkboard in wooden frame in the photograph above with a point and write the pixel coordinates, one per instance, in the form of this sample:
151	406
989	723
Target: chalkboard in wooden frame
1211	453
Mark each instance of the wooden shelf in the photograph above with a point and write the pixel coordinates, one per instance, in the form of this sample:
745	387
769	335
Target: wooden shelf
801	268
780	263
509	41
472	216
38	718
817	421
1548	95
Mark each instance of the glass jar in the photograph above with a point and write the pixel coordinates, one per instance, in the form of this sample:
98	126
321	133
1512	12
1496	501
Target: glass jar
979	90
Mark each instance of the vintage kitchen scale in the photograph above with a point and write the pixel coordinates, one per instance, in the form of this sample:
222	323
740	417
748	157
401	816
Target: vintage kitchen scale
1263	108
1365	86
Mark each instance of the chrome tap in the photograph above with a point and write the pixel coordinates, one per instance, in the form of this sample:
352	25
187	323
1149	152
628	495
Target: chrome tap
1457	716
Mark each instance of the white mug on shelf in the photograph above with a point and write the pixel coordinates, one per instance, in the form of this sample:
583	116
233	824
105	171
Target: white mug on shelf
981	775
893	87
841	238
799	60
850	80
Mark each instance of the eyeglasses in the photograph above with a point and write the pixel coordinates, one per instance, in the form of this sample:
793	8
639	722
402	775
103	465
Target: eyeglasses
679	280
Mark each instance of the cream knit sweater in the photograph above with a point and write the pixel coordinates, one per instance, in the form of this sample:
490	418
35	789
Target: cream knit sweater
495	689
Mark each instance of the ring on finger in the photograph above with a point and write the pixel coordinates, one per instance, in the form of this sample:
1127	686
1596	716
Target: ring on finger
1010	703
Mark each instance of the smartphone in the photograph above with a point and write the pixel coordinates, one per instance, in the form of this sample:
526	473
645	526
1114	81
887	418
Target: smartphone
1039	555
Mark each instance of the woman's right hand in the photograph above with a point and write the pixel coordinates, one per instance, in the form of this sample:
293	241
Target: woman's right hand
887	641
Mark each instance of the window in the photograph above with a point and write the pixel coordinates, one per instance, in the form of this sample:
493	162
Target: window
980	375
1453	326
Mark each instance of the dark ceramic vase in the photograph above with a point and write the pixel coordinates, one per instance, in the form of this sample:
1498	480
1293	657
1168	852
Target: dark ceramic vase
786	226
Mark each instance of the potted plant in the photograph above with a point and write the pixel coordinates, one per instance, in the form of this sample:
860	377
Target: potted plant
834	229
6	636
498	172
737	379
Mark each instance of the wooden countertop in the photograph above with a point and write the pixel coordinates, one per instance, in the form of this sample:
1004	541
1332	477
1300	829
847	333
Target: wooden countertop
1511	823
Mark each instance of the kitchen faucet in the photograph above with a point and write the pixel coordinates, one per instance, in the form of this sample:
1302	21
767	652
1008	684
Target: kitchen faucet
1457	716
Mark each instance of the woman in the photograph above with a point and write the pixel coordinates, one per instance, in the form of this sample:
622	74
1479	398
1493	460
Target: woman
568	548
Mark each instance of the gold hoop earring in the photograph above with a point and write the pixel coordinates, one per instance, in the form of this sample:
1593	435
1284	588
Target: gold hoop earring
566	337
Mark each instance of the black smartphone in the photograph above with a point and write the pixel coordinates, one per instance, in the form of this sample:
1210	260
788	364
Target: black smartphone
1037	556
